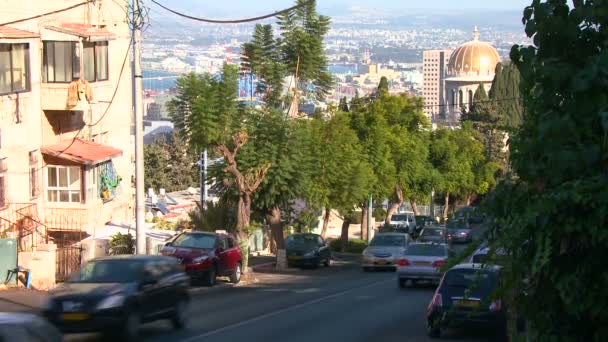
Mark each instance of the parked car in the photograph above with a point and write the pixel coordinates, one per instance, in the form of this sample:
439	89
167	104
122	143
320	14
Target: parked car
205	256
404	222
384	251
421	223
422	262
459	231
480	256
435	234
27	328
307	250
114	295
464	299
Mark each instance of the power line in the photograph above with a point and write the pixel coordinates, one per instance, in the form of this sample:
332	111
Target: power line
48	13
237	21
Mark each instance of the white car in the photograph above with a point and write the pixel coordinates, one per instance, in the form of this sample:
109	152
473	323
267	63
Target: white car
384	251
404	222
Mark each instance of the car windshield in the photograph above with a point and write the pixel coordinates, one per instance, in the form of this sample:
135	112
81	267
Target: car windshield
426	250
468	278
203	241
109	271
301	240
432	232
399	218
388	240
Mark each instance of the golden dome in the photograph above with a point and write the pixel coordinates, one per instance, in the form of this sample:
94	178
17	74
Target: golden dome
474	58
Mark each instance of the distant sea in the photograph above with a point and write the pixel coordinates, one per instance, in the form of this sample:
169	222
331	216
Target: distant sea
152	81
164	80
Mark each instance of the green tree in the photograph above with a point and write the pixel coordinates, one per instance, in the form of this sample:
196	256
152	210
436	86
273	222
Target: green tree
208	114
341	178
506	95
383	86
170	165
343	106
298	53
551	218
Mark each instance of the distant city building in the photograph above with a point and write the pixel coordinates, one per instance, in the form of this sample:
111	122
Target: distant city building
175	64
471	64
435	65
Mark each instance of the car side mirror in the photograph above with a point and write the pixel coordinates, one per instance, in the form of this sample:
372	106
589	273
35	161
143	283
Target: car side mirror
169	244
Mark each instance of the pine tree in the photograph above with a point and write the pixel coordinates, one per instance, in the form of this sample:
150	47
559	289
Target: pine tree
343	106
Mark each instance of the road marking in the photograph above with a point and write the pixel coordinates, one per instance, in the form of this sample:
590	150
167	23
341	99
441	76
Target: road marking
281	311
274	290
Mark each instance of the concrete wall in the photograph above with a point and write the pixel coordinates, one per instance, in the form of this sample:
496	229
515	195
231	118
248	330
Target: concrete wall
94	248
41	263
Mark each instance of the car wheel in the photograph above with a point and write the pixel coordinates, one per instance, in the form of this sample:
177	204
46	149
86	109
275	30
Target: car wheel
433	330
180	314
211	277
131	327
235	277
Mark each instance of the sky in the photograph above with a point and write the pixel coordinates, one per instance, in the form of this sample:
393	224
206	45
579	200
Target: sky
255	7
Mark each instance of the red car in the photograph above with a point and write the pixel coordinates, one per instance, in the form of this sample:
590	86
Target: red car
205	256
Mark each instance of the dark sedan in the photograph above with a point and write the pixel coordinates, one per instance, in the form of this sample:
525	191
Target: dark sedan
464	299
114	295
434	234
307	250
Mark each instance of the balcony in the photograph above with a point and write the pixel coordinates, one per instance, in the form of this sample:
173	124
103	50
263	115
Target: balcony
75	96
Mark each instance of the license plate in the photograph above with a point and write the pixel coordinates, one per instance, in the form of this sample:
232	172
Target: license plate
467	303
381	262
74	316
293	257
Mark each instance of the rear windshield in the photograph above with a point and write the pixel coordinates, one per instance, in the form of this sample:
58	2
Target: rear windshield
426	250
110	271
479	258
302	240
203	241
399	218
468	278
388	240
432	232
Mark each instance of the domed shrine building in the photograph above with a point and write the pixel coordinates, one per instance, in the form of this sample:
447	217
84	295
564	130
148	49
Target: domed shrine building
469	65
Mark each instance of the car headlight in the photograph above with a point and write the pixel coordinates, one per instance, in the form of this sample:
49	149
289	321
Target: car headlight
310	254
111	302
200	259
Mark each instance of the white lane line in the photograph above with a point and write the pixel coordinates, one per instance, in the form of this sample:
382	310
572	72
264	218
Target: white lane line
281	311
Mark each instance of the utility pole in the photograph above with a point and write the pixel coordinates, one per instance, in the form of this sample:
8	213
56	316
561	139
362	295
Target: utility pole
369	218
140	208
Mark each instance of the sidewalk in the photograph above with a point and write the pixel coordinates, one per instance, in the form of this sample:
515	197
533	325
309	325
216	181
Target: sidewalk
22	300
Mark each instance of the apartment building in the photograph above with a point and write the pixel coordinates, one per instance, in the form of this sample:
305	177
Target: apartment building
434	70
66	160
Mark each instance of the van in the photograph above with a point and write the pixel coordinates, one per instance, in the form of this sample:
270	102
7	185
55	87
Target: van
404	222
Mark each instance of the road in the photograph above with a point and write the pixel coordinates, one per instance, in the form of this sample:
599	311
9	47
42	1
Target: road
340	303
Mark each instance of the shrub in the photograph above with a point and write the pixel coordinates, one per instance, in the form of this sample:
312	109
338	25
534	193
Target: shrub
122	244
354	246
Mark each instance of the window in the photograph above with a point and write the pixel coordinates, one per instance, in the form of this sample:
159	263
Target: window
92	175
14	68
61	62
96	61
231	243
34	186
63	184
3	182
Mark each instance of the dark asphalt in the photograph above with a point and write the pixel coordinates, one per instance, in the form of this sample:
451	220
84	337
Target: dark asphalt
340	303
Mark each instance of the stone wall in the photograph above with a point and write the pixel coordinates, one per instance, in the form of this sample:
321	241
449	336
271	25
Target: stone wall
41	263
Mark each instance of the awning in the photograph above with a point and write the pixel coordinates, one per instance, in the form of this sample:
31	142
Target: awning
90	33
82	152
7	32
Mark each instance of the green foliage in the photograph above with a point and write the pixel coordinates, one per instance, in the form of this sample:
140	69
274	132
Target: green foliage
217	216
379	214
297	52
122	244
383	86
552	218
506	95
354	246
170	165
343	106
205	109
307	220
459	160
340	178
